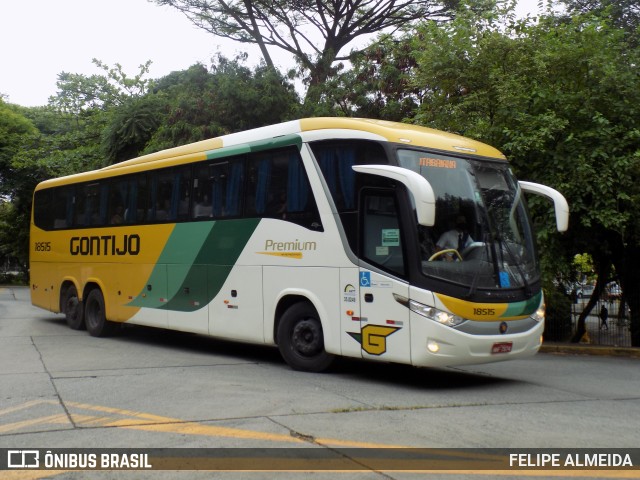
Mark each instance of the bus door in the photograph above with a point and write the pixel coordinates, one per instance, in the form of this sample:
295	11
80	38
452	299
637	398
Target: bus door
384	320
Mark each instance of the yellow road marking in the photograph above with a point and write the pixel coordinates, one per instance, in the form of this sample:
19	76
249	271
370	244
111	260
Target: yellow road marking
157	423
30	474
51	419
24	406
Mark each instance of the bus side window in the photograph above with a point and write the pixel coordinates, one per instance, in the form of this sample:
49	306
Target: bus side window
91	205
170	195
163	193
279	188
43	209
263	194
381	239
218	189
63	207
182	193
119	202
141	198
201	192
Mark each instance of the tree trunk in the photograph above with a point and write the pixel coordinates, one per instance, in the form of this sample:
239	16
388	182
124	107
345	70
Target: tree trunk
257	35
319	73
604	267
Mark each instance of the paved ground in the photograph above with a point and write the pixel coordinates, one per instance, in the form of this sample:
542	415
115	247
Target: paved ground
149	388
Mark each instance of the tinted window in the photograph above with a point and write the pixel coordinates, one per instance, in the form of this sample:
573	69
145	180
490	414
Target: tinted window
42	209
63	199
90	205
218	189
336	160
269	184
278	187
381	238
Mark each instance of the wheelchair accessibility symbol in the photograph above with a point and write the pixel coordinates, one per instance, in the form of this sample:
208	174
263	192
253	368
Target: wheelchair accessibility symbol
365	279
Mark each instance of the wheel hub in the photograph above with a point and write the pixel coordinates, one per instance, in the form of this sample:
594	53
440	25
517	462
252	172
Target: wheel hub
306	337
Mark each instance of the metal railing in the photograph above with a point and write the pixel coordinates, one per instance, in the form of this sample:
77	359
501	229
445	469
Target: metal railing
608	323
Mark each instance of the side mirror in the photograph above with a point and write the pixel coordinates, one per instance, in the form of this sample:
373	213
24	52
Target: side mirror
559	202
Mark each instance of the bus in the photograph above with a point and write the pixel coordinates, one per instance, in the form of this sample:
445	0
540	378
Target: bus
324	237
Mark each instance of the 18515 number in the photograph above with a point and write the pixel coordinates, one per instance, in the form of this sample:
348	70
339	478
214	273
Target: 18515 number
43	246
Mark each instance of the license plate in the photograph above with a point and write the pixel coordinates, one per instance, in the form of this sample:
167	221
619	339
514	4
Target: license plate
503	347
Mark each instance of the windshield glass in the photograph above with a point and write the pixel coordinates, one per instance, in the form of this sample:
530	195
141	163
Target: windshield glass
482	236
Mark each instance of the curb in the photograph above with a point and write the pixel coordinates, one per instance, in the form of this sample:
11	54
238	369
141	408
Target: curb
601	350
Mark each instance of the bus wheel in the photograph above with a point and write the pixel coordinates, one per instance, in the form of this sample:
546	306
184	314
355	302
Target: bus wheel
94	315
73	310
301	341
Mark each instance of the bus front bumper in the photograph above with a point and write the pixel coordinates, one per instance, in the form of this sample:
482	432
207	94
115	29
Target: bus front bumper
441	346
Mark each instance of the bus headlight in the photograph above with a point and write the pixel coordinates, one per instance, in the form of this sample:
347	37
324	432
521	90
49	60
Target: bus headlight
538	315
436	315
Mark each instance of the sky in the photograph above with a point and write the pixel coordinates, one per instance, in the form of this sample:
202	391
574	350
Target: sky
41	38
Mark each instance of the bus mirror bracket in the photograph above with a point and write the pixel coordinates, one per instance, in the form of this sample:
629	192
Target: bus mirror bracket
559	202
419	187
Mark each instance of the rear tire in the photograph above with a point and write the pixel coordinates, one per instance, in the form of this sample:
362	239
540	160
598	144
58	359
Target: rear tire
94	315
301	339
73	309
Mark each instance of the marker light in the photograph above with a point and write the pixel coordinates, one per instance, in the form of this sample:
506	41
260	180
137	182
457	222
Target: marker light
436	315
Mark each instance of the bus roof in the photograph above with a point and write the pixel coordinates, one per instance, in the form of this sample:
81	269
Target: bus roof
332	127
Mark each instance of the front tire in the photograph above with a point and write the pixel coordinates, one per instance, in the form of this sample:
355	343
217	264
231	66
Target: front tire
301	339
73	309
94	313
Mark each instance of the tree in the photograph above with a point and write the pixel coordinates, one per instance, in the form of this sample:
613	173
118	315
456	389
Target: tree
79	93
315	33
131	127
14	128
199	104
624	14
562	98
377	86
16	131
59	139
104	117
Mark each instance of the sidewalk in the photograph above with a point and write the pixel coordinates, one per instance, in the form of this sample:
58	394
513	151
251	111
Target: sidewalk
580	349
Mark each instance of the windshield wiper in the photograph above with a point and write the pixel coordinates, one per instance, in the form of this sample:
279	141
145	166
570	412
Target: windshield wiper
478	272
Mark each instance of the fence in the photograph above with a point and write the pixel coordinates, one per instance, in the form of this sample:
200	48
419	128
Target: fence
607	324
563	315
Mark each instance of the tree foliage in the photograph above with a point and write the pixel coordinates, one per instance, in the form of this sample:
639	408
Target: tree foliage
315	33
624	14
199	104
561	97
14	129
79	93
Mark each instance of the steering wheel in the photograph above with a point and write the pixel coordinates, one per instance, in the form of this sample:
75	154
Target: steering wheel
444	252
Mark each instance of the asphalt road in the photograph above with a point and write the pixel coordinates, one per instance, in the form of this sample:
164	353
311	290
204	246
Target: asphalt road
147	388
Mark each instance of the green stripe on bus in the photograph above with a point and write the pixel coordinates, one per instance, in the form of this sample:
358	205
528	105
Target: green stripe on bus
195	263
276	142
526	307
258	146
214	262
227	152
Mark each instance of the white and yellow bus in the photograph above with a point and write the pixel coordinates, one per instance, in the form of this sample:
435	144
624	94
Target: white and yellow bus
323	236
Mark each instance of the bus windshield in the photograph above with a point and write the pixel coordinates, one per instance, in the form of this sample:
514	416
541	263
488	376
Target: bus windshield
482	236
